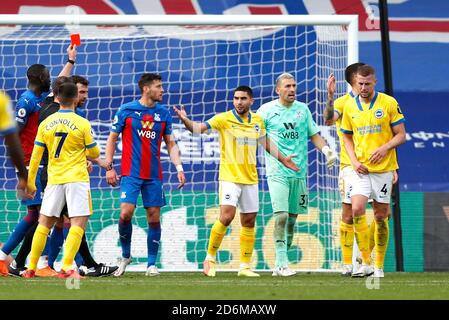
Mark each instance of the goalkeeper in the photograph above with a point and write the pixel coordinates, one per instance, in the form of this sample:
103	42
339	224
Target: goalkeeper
240	130
289	124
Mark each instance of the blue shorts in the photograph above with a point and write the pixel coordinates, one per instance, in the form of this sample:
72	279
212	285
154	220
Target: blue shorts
37	200
152	194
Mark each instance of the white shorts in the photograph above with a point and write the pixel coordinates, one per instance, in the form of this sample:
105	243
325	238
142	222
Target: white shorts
75	194
344	185
246	196
372	185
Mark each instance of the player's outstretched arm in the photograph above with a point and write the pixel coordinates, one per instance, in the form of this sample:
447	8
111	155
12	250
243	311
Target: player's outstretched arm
175	157
329	115
192	126
68	67
321	145
271	148
111	175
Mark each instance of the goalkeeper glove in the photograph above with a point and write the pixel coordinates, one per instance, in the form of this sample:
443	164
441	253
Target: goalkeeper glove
330	155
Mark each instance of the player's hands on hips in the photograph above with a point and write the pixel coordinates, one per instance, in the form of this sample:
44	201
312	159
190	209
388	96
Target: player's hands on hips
331	85
112	177
181	113
288	162
181	179
360	168
378	155
71	52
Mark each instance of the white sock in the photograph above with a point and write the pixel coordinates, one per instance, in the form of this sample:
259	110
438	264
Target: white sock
244	266
43	262
209	257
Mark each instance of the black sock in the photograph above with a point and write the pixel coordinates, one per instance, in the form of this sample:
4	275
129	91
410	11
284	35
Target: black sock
25	248
85	254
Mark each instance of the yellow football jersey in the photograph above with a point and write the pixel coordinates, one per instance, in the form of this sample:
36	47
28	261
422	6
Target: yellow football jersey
370	125
69	140
339	107
238	145
7	121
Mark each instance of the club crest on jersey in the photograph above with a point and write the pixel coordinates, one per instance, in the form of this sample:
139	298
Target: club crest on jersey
22	112
378	113
256	126
157	117
147	124
299	114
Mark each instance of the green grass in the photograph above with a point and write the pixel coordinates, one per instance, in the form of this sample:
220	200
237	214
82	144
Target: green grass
227	286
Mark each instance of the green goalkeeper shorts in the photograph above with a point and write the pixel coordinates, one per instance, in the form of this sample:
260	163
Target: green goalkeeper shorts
288	194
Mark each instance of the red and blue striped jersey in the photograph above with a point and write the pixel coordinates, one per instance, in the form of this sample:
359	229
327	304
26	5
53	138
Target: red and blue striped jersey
27	113
142	130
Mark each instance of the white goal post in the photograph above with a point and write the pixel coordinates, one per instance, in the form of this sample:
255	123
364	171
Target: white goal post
202	58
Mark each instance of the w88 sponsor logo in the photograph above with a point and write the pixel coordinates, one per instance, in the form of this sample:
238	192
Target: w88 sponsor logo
147	134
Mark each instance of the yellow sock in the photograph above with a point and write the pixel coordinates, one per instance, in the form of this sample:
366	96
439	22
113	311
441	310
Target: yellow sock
216	236
372	242
72	245
247	240
381	235
362	237
346	241
38	245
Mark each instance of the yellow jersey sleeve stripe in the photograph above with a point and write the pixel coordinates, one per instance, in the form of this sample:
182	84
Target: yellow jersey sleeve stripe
91	145
40	144
398	122
346	131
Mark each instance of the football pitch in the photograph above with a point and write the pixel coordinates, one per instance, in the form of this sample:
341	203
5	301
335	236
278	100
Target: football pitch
227	286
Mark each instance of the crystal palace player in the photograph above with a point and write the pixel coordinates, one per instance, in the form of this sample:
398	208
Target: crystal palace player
143	124
27	109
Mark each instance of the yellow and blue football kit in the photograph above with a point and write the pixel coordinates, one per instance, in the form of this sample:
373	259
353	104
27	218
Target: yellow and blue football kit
370	125
69	140
238	145
339	107
238	178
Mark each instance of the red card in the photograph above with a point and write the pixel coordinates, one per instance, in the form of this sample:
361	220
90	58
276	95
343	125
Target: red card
76	40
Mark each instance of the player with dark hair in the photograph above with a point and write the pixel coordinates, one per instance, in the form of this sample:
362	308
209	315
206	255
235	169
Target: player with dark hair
61	228
27	109
143	124
240	131
69	140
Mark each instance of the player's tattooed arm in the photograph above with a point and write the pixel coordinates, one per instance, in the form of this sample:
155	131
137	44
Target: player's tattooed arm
329	110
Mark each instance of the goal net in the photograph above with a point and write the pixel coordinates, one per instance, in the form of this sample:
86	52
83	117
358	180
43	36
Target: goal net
200	66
